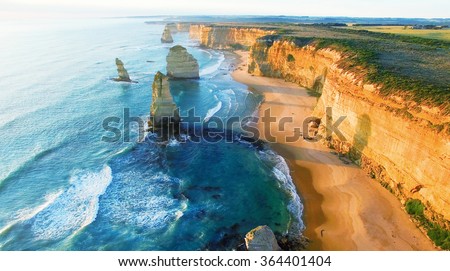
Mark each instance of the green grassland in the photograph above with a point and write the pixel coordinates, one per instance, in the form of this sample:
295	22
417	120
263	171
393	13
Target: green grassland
441	34
439	235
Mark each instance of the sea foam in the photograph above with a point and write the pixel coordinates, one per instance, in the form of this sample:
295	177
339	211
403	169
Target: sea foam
282	173
73	209
213	68
28	213
143	201
211	112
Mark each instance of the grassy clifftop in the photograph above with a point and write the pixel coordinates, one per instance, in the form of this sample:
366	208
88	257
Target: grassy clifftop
415	68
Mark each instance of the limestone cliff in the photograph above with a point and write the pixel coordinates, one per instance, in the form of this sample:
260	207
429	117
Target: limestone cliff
163	108
195	31
181	64
226	37
166	36
302	65
395	144
122	72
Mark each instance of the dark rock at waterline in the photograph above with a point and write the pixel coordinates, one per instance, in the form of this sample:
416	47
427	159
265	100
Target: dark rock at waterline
211	188
216	196
226	238
263	238
205	188
201	214
259	144
235	227
293	244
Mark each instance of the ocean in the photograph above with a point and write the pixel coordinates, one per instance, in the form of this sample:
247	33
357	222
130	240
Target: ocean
64	188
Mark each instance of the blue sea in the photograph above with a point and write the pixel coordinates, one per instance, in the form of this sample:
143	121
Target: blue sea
63	188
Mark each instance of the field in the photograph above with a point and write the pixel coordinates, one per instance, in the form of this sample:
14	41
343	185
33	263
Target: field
443	34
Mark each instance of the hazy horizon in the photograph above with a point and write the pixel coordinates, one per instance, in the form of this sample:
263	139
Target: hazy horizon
32	9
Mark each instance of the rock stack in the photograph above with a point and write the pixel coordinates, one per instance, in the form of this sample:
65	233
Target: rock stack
123	74
261	239
166	36
163	109
181	64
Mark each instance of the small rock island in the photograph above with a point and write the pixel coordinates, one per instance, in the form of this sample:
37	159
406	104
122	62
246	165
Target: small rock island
181	64
166	36
261	238
163	109
123	74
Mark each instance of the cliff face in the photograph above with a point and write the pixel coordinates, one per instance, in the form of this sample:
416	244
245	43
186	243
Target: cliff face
163	107
166	36
181	64
195	31
122	72
394	144
302	65
224	37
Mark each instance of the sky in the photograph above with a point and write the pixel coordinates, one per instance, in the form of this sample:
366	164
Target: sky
107	8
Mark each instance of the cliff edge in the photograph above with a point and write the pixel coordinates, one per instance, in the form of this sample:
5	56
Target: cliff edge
226	37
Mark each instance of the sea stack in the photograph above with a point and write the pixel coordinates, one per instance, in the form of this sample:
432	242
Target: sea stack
166	36
163	109
123	74
181	64
261	239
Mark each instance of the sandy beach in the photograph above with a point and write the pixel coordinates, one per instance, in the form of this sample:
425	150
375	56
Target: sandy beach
344	208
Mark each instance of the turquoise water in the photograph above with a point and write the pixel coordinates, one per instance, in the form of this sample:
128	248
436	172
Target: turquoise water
63	188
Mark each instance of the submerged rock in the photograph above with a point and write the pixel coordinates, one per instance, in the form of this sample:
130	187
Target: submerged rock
123	74
261	239
163	109
166	36
225	239
181	64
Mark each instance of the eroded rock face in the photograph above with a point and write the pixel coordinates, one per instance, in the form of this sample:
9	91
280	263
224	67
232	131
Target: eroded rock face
163	107
225	37
261	239
397	148
181	64
166	36
284	59
195	32
123	74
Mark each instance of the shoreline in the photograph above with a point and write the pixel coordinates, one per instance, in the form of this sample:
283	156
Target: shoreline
343	208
